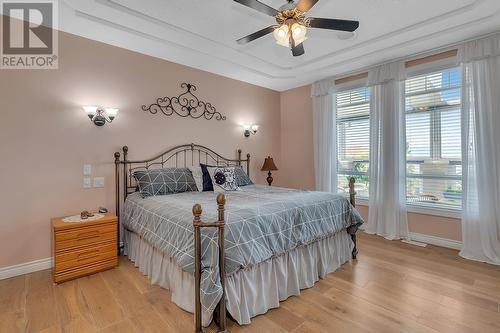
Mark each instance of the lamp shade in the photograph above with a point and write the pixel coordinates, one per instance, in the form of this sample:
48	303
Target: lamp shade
269	165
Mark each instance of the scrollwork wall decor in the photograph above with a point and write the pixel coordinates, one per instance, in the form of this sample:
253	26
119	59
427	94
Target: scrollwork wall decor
184	105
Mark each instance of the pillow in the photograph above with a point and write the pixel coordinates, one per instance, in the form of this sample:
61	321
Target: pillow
197	173
164	181
207	179
223	178
241	176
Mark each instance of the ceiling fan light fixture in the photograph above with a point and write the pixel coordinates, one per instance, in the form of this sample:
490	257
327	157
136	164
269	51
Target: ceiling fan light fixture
281	35
299	32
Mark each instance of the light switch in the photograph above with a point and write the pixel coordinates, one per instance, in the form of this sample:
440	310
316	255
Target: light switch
99	182
87	182
87	169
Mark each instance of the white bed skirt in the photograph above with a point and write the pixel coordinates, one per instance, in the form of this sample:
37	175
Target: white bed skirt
252	291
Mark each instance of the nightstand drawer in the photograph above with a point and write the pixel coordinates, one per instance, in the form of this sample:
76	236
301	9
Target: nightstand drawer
86	256
85	270
84	236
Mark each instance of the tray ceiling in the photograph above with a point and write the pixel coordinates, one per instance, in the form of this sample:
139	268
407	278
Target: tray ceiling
202	34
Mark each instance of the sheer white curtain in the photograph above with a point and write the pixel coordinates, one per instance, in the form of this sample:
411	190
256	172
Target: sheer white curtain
481	149
325	135
387	204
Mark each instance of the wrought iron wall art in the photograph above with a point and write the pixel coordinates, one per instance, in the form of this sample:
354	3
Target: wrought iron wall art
185	105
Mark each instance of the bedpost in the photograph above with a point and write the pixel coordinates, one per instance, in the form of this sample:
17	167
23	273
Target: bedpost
125	184
239	156
197	267
352	192
198	224
248	165
117	197
221	201
352	199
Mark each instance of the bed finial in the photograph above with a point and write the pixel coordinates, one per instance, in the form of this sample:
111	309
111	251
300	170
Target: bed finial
117	157
197	212
221	199
125	152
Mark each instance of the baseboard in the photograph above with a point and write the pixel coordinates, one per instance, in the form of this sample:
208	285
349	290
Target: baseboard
438	241
28	267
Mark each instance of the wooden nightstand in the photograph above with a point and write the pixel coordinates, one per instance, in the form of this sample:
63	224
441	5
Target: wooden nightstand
83	248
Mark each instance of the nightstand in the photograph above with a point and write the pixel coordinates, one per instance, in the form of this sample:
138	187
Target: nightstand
83	248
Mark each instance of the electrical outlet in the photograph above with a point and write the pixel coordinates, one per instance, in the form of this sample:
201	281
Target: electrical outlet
87	183
99	182
87	169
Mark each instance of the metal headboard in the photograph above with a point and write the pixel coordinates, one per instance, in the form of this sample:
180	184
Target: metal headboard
179	156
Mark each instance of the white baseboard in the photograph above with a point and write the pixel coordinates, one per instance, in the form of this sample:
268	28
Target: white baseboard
438	241
28	267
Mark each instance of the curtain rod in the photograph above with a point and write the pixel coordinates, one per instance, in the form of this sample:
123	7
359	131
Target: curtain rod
436	52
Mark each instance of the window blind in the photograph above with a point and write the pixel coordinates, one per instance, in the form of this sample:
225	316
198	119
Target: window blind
353	139
433	139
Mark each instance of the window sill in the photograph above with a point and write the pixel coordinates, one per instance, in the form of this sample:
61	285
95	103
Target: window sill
455	214
422	210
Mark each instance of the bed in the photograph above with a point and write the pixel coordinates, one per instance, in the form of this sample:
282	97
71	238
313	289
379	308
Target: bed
244	251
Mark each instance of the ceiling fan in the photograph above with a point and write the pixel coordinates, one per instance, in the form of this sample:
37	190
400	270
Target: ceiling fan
292	24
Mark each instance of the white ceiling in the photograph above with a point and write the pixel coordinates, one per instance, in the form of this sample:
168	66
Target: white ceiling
202	33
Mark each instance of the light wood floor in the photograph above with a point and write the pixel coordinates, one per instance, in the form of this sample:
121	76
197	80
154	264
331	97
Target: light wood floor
393	287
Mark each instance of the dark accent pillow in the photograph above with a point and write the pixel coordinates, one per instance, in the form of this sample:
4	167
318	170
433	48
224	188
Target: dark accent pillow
164	181
220	177
241	176
207	180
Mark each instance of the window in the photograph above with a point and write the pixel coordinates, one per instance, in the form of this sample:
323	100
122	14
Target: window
353	139
433	140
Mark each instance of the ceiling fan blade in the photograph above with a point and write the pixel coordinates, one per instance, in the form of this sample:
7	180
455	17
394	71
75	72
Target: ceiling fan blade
255	35
258	6
333	24
305	5
298	50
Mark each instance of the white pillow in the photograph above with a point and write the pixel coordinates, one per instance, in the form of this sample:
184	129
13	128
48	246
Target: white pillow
223	178
198	177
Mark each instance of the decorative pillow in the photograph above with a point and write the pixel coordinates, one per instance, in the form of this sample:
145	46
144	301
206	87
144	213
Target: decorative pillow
241	176
224	178
197	176
207	179
164	181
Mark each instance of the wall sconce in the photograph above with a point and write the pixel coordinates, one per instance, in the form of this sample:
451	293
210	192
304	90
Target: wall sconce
250	129
100	116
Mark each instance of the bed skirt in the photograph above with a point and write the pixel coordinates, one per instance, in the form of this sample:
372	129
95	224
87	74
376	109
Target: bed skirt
251	291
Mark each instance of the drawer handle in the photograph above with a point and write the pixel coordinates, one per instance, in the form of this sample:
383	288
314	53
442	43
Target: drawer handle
88	235
88	255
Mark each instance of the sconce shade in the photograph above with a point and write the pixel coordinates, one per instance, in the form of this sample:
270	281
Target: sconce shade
112	112
269	165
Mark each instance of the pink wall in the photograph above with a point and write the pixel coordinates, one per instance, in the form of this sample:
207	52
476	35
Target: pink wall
297	155
45	137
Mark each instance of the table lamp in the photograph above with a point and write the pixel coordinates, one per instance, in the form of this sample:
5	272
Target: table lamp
269	166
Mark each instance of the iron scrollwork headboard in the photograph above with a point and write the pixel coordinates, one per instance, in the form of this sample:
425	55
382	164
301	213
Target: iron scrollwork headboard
179	156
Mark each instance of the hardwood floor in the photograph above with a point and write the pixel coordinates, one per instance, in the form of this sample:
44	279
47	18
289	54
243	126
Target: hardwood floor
393	287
